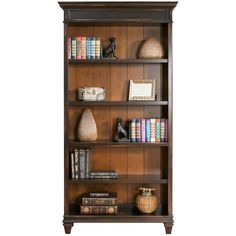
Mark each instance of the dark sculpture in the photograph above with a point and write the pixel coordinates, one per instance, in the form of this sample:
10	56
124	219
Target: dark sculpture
111	49
121	135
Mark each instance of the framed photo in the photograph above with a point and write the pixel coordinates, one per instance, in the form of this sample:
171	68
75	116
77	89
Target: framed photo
142	90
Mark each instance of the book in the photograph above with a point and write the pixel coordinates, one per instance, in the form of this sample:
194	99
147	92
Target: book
76	163
162	130
78	48
133	130
69	47
98	210
88	48
166	130
83	50
102	199
103	176
148	130
152	130
138	130
143	130
73	48
82	163
72	155
103	173
158	131
87	162
98	48
93	47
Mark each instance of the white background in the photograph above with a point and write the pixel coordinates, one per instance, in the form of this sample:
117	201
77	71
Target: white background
31	121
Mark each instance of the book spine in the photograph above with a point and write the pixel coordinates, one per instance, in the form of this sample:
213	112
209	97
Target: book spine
103	177
138	130
73	48
98	48
143	130
133	131
153	130
76	156
88	48
82	163
99	201
72	156
69	47
162	130
148	130
158	131
98	210
166	130
78	48
83	50
87	162
93	47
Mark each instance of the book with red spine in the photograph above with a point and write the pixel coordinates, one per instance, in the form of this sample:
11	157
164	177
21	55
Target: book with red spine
158	130
78	48
143	130
138	130
69	47
152	130
83	50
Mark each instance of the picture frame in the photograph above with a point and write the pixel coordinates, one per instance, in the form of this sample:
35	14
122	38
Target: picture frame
142	90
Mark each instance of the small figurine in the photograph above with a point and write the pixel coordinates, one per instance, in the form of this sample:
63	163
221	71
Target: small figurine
111	49
121	135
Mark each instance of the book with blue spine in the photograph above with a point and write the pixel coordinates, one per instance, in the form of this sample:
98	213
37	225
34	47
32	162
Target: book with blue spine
148	130
88	48
158	130
93	43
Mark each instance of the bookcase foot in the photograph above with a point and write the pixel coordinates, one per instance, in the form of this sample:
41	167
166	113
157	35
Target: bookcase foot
168	227
67	227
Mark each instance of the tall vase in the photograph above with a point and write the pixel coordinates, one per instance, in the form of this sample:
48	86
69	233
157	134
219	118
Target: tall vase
87	130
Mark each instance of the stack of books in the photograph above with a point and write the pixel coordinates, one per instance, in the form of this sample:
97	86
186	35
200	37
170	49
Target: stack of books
103	174
84	48
80	163
99	204
150	130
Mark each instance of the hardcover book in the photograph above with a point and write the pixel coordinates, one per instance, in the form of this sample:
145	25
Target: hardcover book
98	210
87	162
133	130
143	130
73	48
88	48
72	155
83	51
93	46
76	156
158	131
152	130
148	130
69	47
102	199
138	130
82	163
78	47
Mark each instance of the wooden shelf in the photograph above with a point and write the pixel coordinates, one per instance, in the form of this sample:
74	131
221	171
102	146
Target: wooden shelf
129	179
119	61
117	103
114	144
126	213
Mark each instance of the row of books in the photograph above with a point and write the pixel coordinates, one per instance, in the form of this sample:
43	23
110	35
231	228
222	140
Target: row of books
99	203
150	130
84	48
81	167
80	163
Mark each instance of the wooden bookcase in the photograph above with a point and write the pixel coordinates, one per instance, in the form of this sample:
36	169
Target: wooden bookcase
138	164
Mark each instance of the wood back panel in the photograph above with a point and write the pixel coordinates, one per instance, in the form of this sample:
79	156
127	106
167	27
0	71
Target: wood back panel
115	79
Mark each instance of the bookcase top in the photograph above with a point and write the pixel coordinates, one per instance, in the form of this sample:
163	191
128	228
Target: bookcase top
117	4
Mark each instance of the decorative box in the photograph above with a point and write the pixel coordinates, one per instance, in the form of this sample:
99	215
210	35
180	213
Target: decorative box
91	94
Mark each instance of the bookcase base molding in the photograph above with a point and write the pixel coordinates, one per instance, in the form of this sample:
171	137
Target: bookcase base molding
101	53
